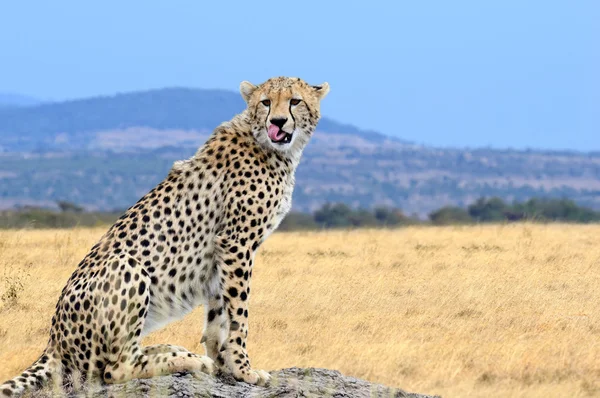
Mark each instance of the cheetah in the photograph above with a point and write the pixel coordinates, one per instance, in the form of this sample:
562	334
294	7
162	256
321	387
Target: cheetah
191	240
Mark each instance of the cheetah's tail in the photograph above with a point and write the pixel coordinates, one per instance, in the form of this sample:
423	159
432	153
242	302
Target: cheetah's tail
33	378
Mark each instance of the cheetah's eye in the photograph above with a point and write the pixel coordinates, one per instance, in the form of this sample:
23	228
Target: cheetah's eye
295	101
266	102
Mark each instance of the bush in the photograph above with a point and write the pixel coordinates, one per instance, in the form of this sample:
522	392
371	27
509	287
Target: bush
68	206
450	215
333	215
493	209
389	216
298	221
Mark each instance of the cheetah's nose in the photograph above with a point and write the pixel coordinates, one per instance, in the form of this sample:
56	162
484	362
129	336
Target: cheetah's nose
279	122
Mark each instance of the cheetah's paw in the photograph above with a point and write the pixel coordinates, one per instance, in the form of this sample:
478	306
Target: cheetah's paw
257	377
206	366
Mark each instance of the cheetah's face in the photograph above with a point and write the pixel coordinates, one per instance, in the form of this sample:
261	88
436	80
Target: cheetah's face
283	111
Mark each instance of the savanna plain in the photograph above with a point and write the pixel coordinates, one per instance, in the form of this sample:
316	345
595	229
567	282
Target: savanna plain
470	311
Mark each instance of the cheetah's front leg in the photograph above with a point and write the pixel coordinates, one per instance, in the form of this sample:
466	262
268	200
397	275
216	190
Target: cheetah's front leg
236	270
216	326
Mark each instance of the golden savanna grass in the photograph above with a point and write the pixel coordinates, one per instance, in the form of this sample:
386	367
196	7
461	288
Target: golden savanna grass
489	311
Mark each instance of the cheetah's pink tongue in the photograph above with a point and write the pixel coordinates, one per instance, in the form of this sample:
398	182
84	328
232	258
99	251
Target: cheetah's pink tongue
275	134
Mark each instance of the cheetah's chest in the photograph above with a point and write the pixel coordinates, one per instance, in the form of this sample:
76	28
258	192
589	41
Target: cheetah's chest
285	204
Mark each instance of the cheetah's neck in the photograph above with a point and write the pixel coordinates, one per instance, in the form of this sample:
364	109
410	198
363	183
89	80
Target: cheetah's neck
240	125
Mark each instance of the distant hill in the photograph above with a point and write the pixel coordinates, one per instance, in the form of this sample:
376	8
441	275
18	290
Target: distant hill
83	123
9	100
106	152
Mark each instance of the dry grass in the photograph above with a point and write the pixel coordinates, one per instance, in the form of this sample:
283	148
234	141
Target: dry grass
458	311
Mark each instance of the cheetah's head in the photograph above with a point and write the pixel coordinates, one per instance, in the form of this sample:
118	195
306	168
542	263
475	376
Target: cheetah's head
283	111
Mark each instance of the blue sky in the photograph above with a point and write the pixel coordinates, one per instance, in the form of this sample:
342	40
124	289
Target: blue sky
448	73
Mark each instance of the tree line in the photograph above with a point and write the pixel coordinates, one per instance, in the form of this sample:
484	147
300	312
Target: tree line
485	210
340	215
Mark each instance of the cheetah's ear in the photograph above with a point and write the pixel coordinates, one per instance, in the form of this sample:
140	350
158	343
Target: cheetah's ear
321	90
246	89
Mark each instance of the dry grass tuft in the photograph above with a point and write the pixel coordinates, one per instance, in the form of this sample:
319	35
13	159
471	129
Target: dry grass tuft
457	311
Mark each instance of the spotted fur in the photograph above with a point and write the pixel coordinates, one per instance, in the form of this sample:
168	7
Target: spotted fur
191	240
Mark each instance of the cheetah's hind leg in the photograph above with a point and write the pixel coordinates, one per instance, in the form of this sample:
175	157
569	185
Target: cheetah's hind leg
163	349
139	366
128	359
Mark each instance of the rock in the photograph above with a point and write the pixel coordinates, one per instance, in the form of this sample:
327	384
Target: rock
292	382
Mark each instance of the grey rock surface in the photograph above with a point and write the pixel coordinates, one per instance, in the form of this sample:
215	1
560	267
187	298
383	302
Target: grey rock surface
292	382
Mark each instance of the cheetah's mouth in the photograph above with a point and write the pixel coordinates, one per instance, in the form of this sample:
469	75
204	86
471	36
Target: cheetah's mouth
278	136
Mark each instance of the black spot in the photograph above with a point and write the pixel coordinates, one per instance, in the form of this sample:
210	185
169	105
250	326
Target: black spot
233	292
211	315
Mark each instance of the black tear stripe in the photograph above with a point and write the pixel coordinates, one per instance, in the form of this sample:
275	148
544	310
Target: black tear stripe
293	118
267	119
